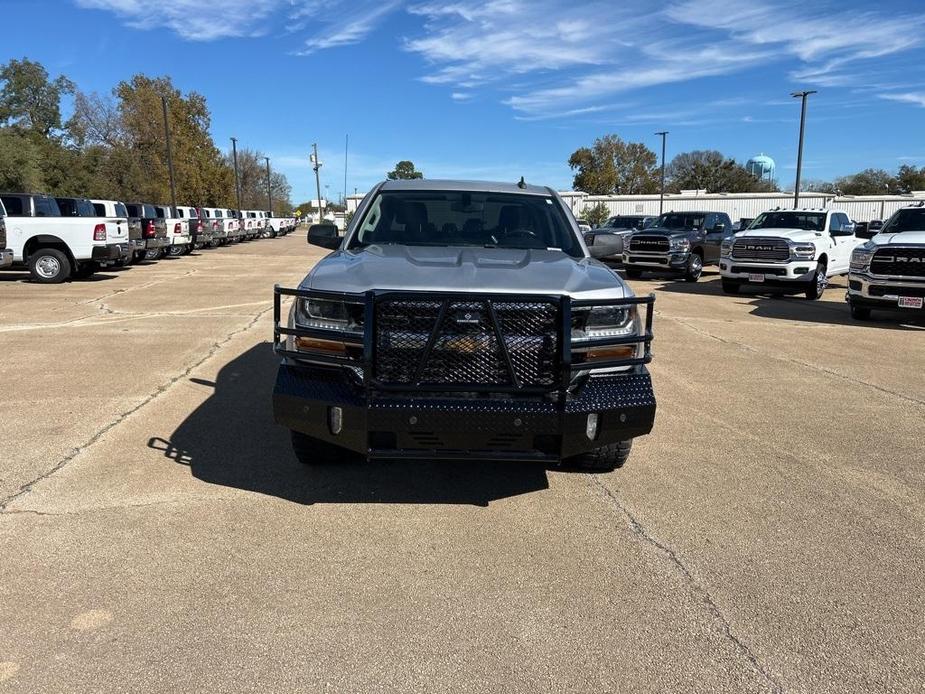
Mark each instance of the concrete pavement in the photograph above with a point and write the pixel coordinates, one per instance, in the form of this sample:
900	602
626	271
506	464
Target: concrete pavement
157	534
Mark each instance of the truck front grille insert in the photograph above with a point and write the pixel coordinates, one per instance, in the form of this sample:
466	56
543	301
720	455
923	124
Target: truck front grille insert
647	244
760	249
480	343
899	262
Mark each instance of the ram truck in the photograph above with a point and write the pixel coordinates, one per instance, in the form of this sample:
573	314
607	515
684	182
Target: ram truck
113	208
888	272
795	250
178	236
116	228
214	218
463	320
200	234
679	243
153	229
277	226
53	247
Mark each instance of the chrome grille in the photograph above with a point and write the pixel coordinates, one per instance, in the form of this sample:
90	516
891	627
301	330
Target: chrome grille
653	244
899	262
464	347
760	249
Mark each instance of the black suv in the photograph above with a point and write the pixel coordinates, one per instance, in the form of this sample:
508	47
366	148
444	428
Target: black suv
678	242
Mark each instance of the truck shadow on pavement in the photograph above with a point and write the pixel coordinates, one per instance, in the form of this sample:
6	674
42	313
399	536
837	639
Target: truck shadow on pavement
232	440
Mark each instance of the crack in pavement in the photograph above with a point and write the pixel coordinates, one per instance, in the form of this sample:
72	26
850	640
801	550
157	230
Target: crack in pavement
791	360
160	390
639	530
111	507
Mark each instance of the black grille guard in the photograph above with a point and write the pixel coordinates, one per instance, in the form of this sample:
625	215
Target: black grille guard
566	368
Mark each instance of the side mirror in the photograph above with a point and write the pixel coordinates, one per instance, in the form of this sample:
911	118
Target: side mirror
850	228
324	235
719	228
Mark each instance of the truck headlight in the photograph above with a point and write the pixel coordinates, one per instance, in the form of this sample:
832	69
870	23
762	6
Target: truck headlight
804	251
682	245
861	257
329	315
604	321
725	250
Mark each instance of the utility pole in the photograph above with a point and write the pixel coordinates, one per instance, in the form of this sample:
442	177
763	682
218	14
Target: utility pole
269	196
316	164
661	195
346	144
173	187
796	187
237	186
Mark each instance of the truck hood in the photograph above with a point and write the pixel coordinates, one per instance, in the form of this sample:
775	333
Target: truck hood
470	269
662	231
904	237
781	233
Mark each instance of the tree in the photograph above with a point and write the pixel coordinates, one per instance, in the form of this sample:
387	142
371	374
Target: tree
868	182
712	171
29	100
614	166
404	170
596	214
20	162
818	187
909	178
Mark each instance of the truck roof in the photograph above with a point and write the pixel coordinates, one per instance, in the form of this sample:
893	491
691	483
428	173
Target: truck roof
436	184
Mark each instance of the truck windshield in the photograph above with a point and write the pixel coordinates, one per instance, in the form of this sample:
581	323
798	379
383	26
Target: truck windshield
463	218
810	221
120	210
625	223
909	219
680	220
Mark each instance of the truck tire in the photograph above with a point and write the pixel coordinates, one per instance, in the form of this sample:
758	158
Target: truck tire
49	266
860	312
175	251
694	268
604	459
731	286
633	273
818	283
312	451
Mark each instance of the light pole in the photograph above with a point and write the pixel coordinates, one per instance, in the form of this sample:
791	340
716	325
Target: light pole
316	165
173	188
237	186
796	188
661	195
269	196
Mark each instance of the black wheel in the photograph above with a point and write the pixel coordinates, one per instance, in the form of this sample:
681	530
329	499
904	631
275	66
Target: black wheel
694	268
312	451
818	283
85	270
860	312
633	273
603	459
175	251
731	286
140	255
49	266
154	254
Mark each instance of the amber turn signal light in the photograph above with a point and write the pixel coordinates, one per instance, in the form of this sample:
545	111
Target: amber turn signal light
313	344
608	353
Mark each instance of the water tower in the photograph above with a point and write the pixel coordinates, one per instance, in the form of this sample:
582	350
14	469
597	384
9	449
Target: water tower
761	167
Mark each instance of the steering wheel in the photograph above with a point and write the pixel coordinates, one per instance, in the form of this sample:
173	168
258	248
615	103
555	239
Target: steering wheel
520	233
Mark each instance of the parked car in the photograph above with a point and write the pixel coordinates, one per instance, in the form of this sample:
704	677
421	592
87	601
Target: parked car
116	229
236	226
214	218
470	284
277	226
153	229
114	208
6	254
789	249
888	272
681	243
606	241
178	236
200	235
53	247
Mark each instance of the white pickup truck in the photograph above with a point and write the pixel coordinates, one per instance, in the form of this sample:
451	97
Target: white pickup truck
277	226
888	272
56	248
116	209
178	236
796	250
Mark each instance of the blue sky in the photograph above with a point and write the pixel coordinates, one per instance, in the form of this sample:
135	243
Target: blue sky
506	88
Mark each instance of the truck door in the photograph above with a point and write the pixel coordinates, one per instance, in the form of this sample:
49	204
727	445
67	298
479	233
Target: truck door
843	242
716	228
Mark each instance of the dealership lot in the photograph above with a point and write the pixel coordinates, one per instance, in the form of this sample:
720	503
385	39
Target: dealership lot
157	533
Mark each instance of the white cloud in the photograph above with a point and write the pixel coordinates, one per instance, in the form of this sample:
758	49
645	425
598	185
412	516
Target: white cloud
917	98
343	27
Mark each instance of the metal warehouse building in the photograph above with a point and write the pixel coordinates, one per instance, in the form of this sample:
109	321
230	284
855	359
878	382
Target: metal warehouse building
860	208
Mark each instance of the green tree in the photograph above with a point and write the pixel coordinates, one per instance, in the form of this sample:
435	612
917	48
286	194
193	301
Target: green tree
818	187
29	100
910	178
404	170
596	214
868	182
20	162
712	171
614	166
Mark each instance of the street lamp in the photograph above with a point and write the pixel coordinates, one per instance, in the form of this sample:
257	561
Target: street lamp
661	195
237	186
316	165
796	188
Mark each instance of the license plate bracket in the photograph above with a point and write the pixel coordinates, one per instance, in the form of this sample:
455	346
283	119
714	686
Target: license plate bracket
911	302
756	277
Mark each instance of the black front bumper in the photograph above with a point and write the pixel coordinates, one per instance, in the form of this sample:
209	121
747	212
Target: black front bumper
448	427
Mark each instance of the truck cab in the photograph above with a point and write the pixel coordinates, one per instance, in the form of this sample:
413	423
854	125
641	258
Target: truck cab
679	243
462	320
115	209
888	272
796	249
178	236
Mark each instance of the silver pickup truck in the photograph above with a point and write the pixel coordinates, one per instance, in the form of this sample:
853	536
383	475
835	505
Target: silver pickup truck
463	320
